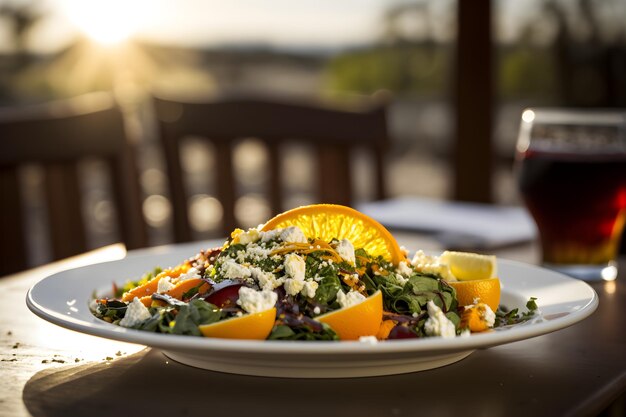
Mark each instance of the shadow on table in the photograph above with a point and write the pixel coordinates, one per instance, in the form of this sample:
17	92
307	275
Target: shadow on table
148	383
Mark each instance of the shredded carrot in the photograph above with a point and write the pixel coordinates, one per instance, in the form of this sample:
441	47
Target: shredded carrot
306	248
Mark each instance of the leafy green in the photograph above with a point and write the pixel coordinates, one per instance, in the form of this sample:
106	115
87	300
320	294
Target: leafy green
327	273
111	309
302	332
507	318
192	315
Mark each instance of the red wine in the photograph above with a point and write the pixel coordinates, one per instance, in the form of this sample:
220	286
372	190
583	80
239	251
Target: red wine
578	203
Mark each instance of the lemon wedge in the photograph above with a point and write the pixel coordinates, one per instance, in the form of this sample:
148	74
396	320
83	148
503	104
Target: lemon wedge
466	266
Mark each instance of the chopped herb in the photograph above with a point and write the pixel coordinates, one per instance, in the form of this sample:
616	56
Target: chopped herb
507	318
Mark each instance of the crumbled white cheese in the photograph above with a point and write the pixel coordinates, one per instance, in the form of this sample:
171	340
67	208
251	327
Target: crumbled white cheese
431	265
251	236
370	340
317	310
192	273
489	316
309	289
437	323
350	299
293	234
270	235
345	249
294	266
253	301
293	286
165	284
266	280
136	312
257	253
404	269
231	269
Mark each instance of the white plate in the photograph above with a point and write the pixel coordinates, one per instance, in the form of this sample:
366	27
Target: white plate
63	299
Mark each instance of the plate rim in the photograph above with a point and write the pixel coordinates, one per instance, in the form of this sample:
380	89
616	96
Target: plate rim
100	328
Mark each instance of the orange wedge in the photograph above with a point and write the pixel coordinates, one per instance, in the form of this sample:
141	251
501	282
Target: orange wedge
328	221
362	319
485	290
255	326
151	286
474	318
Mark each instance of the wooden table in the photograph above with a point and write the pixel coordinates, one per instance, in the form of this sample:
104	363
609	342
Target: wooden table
49	371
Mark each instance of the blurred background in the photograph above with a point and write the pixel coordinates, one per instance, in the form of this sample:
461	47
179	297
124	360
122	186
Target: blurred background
561	53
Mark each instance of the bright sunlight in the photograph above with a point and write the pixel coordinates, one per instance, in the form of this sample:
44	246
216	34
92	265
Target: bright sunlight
108	22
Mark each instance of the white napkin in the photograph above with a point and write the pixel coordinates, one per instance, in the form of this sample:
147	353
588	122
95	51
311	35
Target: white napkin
455	224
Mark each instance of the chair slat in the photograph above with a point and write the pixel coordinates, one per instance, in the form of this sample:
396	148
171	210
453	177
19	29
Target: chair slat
58	135
332	131
65	217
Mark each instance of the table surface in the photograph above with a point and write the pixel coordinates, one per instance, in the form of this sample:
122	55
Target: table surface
50	371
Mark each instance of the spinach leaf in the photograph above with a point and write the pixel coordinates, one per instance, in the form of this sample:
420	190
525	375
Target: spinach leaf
302	332
112	309
505	317
192	315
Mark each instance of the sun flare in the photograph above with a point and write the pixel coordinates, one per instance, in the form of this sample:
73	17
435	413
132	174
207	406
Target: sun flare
108	22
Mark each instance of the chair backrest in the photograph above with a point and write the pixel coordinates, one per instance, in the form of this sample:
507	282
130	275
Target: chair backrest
57	135
333	132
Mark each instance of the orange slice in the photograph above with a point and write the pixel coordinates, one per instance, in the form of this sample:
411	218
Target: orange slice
328	221
151	286
474	318
385	328
255	326
485	290
362	319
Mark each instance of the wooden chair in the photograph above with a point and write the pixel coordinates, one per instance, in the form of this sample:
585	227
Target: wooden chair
57	135
333	132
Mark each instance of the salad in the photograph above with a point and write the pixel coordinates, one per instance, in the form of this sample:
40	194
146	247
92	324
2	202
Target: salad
321	272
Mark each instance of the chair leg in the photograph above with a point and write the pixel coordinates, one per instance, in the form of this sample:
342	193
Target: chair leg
335	180
128	199
275	186
67	229
178	193
12	239
226	184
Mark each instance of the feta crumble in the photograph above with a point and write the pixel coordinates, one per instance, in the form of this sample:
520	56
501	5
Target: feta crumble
370	340
345	249
293	286
165	284
293	234
437	323
432	265
192	273
266	280
350	299
294	266
404	269
136	313
309	289
253	301
231	269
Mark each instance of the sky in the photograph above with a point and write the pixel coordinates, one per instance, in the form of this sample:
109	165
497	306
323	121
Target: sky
284	23
273	23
